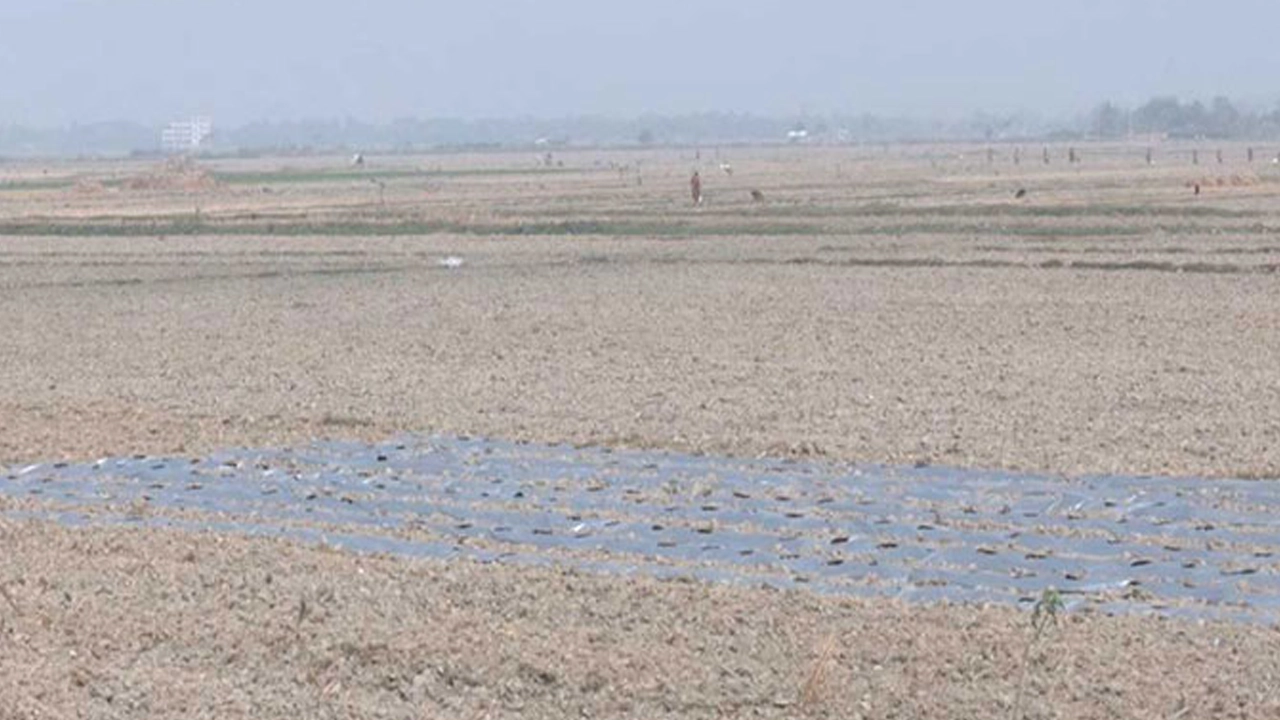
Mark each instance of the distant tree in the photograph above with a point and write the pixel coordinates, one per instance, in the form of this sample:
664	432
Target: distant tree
1224	119
1109	121
1160	114
992	126
1195	120
1221	119
645	137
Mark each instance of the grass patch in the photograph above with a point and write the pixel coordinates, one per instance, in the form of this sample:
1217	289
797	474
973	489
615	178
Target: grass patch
1251	229
881	209
1048	211
677	227
194	226
41	184
288	177
1034	231
1191	267
655	229
1011	210
907	262
292	226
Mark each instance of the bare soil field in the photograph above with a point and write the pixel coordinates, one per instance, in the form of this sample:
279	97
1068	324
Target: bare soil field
136	624
896	305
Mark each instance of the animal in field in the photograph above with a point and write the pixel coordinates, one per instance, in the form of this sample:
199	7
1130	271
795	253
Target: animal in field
757	196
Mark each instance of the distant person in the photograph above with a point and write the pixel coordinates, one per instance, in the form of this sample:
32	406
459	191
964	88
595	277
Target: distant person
695	187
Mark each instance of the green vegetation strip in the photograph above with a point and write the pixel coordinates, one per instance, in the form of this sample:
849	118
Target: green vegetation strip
678	228
889	210
192	226
1053	264
286	177
42	184
1041	211
979	229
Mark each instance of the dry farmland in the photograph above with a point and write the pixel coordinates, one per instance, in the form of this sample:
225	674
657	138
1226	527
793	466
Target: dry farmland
897	305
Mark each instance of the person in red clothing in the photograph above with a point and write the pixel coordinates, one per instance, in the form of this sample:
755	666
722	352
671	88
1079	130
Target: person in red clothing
695	186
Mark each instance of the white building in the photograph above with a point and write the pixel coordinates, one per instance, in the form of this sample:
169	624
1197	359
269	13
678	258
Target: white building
186	136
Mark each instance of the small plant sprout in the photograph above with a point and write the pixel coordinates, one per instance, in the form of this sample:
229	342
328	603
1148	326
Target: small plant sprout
1043	616
1046	610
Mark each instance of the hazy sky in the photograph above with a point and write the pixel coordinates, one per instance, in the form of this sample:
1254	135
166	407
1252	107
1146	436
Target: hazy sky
65	61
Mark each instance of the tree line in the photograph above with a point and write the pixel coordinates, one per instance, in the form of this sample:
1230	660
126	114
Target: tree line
1160	116
1170	117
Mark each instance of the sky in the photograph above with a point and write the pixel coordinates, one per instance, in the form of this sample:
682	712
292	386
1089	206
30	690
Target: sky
239	61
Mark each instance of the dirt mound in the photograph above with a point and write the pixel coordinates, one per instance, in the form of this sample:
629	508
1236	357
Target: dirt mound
181	174
88	186
1221	181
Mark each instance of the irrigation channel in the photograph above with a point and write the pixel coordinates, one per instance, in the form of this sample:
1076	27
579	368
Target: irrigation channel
1173	546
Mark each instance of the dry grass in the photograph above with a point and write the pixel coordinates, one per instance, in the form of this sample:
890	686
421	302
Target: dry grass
816	684
148	624
895	306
